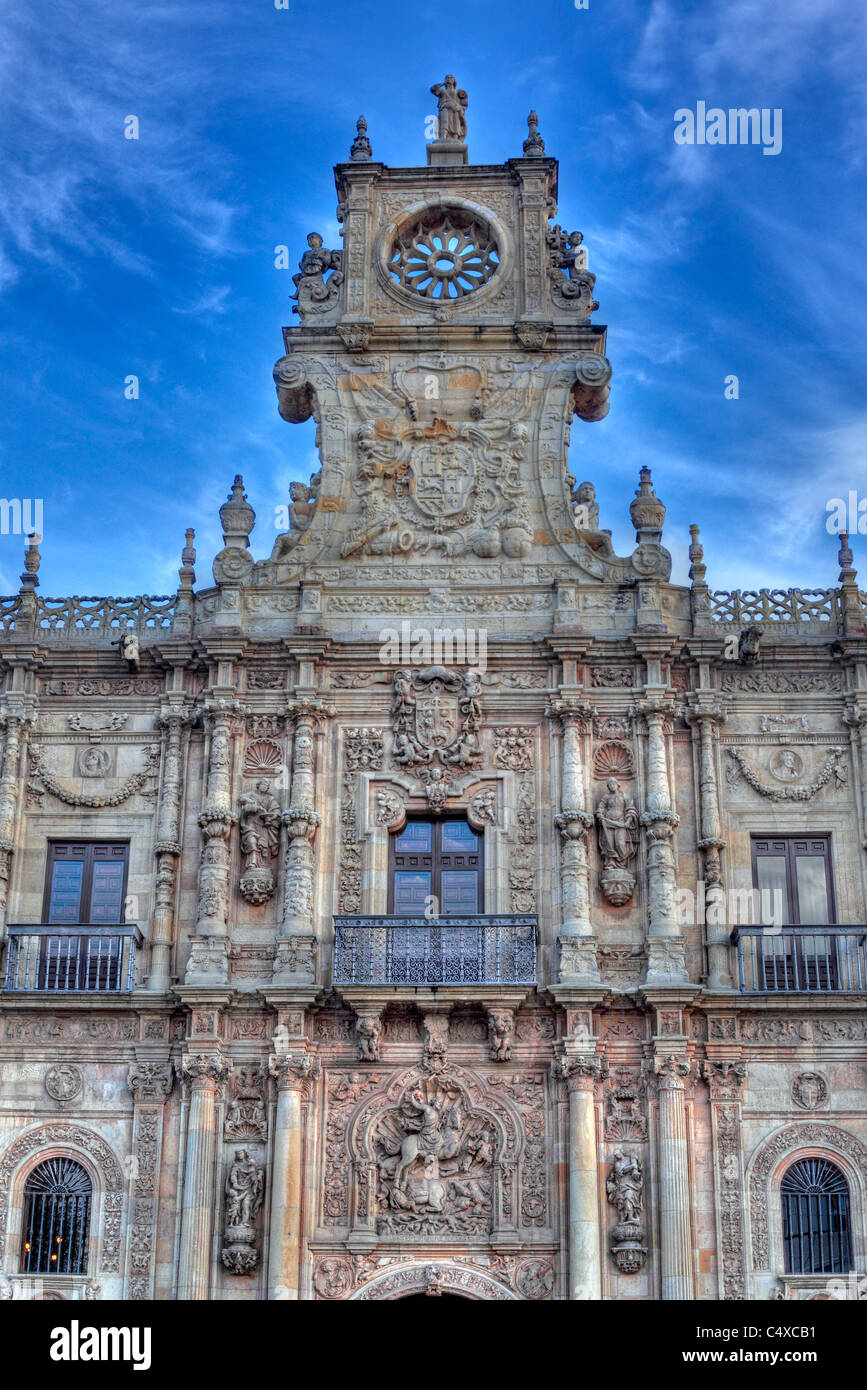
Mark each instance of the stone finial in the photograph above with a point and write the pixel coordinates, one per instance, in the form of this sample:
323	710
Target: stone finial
361	151
697	569
187	572
850	598
646	510
534	145
32	561
237	517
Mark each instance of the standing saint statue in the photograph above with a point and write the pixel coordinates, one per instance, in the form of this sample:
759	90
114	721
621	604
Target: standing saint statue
245	1189
260	825
624	1186
453	104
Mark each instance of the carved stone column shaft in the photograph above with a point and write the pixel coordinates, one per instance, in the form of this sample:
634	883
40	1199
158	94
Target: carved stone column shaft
585	1258
167	849
284	1260
208	963
16	734
711	845
675	1229
205	1074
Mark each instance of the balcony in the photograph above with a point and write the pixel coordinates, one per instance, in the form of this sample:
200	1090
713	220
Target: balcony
802	960
416	951
71	960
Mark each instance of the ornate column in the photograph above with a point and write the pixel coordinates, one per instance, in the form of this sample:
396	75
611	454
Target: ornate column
675	1228
581	1073
176	719
292	1073
855	718
205	1074
16	719
725	1077
295	961
706	715
208	962
665	946
150	1084
577	941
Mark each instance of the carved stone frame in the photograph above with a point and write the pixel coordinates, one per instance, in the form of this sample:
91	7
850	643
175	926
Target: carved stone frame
776	1153
106	1176
404	1281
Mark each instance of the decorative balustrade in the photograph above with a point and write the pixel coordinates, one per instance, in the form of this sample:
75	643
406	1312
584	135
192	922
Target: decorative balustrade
71	960
441	951
805	960
104	617
803	607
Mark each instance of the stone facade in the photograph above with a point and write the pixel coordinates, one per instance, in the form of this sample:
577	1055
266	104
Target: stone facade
613	1118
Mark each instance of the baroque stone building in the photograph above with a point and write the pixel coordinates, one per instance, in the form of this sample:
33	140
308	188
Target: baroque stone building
385	918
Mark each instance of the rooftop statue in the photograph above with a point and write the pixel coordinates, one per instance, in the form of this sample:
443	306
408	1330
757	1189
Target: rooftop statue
452	106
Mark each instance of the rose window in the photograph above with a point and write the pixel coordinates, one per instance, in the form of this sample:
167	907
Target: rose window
444	255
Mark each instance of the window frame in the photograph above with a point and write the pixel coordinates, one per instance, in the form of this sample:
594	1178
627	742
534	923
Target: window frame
83	1241
436	856
86	893
793	1235
787	841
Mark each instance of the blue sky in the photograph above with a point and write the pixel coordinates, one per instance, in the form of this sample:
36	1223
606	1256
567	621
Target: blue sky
156	257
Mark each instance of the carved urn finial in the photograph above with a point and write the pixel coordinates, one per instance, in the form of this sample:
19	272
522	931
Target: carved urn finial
32	561
646	510
534	145
237	517
360	151
697	570
187	571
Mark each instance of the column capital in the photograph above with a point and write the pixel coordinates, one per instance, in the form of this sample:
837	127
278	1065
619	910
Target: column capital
150	1081
571	711
292	1071
672	1070
202	1070
725	1077
308	710
581	1072
704	709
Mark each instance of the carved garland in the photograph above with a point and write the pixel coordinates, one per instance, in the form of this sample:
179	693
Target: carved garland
130	786
788	1141
102	1155
831	766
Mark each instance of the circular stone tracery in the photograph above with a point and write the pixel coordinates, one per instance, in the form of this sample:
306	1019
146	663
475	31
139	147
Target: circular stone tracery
444	255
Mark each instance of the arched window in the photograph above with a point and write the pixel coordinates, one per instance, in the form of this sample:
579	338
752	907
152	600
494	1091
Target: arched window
816	1235
57	1197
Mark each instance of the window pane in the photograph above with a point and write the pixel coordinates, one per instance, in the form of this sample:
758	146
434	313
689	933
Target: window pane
65	899
415	838
411	889
458	837
460	893
106	896
812	890
773	905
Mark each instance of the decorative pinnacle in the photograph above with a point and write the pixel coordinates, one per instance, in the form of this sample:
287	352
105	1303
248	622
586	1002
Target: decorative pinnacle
534	145
845	558
697	570
187	573
361	151
32	561
237	516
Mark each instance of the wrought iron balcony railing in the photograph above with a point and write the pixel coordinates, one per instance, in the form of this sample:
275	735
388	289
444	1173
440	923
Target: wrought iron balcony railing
806	960
71	960
440	951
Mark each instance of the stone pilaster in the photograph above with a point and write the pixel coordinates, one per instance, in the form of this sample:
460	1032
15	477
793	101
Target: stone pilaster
855	718
208	962
577	941
675	1225
706	716
150	1084
291	1071
176	720
725	1077
205	1074
665	945
295	961
16	720
581	1071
